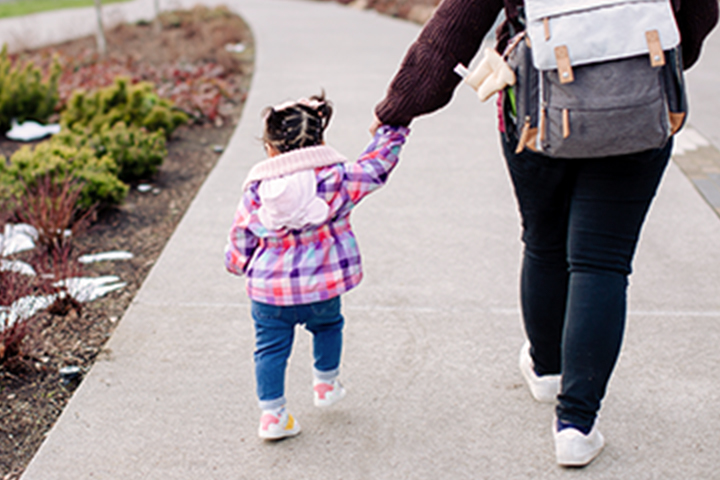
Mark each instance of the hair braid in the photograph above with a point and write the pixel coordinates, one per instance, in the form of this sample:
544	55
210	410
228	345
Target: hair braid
297	125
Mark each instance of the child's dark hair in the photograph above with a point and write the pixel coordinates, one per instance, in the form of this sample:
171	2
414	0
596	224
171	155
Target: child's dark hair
297	125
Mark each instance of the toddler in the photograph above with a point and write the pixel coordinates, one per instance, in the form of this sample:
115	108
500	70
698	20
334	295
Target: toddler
292	238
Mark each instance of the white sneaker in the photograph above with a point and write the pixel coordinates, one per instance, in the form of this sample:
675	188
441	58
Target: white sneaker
277	424
543	388
575	449
327	393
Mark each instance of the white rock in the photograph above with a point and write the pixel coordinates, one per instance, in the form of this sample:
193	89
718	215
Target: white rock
31	130
86	289
105	256
17	266
17	238
235	47
24	308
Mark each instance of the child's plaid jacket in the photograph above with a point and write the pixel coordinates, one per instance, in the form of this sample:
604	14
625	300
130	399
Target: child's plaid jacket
293	267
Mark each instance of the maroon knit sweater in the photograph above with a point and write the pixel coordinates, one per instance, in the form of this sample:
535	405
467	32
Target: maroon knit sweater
425	81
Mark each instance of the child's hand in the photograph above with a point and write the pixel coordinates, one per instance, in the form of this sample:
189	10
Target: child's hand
375	125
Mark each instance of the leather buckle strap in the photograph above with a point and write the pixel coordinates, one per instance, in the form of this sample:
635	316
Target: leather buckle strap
562	58
657	56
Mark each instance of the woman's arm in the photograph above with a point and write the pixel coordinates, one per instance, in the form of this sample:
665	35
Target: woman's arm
425	81
696	19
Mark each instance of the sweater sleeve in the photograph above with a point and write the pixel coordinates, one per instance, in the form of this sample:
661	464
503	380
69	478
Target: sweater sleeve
696	19
426	81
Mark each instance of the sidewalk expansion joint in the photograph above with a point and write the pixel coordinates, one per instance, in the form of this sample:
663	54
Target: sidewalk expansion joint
426	309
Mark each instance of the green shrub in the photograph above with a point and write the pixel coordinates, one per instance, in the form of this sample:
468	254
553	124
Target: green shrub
136	105
96	147
114	135
137	153
10	189
24	93
98	176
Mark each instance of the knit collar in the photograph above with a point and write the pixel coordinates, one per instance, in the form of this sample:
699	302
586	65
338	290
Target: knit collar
294	161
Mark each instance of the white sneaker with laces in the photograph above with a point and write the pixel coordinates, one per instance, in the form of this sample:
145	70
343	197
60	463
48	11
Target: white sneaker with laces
327	393
543	388
575	449
277	424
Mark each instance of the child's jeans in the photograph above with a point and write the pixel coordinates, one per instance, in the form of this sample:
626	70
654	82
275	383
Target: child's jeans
274	334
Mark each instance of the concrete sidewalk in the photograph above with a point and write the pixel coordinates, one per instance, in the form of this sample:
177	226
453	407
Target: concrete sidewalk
433	332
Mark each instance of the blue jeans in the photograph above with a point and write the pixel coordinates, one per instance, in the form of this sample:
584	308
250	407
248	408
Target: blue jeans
274	335
581	219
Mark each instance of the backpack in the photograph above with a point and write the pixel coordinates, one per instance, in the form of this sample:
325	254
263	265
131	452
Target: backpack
596	78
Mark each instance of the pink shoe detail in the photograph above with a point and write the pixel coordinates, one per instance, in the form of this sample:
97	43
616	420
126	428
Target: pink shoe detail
268	419
322	389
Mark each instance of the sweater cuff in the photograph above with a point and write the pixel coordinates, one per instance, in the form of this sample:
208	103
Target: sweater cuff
387	114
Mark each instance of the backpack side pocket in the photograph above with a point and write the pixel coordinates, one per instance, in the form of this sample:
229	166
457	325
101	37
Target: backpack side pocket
526	91
674	82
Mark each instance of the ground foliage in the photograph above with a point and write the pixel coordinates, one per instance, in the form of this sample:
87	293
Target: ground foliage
188	63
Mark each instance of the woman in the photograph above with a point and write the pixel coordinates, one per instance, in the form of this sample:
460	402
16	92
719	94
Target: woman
581	219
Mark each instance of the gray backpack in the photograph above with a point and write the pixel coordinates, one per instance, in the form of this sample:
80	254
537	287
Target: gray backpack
596	78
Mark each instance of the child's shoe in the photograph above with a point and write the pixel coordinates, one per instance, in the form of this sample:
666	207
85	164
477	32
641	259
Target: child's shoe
277	424
573	448
543	388
327	393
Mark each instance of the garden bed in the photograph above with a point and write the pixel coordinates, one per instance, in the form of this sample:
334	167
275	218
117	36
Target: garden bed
190	46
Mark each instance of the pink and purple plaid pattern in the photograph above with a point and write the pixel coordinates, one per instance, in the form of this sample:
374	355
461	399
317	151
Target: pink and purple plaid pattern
293	267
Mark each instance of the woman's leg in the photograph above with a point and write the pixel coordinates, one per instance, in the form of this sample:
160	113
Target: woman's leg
274	333
609	204
542	188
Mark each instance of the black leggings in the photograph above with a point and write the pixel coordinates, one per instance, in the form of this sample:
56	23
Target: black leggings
581	220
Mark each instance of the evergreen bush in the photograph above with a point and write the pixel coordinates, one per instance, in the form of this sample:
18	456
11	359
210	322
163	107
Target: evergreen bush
137	153
97	175
135	105
25	93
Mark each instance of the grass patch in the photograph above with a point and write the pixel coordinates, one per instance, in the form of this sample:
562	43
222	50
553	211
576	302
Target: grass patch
18	8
